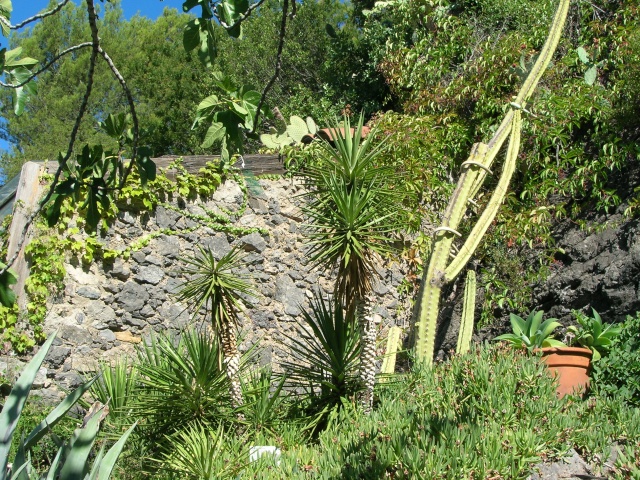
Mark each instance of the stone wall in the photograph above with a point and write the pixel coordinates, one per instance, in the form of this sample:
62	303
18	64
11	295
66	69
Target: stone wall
108	308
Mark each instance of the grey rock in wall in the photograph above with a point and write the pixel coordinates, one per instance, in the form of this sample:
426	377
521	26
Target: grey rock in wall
108	309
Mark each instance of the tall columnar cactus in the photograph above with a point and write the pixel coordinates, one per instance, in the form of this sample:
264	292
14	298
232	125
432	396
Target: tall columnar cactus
468	312
393	344
440	271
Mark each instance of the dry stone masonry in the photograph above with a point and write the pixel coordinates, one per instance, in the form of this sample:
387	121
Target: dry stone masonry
108	308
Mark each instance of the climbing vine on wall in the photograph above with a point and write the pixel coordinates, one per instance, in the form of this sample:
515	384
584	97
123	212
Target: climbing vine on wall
71	237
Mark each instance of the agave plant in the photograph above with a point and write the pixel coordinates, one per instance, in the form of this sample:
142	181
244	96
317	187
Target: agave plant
72	459
532	333
326	353
353	209
216	286
593	334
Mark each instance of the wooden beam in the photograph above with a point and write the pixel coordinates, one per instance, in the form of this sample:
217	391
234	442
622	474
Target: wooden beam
27	196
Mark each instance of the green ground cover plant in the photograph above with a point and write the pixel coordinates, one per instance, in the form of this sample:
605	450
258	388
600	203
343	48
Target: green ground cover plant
490	413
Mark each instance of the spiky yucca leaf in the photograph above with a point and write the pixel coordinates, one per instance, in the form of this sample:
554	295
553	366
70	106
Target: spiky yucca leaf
215	285
326	359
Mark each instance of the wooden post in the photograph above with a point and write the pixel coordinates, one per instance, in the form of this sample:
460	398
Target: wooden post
27	196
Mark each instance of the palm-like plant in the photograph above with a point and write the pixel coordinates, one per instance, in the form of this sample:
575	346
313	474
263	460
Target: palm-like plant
218	288
325	363
353	207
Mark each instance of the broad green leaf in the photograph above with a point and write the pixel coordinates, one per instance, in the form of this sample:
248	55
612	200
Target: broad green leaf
14	403
224	82
331	31
533	322
146	166
551	342
583	55
109	460
114	125
92	216
191	35
75	466
230	11
210	101
57	414
20	95
189	4
8	278
517	324
215	132
207	50
590	75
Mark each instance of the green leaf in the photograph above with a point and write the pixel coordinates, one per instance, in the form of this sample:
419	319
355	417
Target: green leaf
230	11
331	31
207	51
8	278
214	133
75	466
20	95
583	55
189	4
56	414
590	75
146	166
109	460
14	403
191	35
517	324
114	125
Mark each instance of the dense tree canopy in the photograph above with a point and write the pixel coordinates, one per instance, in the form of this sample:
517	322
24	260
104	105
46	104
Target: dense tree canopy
166	83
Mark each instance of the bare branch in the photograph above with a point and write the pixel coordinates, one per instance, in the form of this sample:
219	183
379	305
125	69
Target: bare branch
132	108
39	16
276	73
243	16
74	132
46	67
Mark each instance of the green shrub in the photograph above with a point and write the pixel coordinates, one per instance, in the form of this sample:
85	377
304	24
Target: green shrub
618	374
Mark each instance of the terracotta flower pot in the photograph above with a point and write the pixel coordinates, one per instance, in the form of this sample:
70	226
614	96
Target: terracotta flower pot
571	367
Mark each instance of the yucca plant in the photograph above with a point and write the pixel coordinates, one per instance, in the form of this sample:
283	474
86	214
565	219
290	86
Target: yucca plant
216	286
264	398
116	385
353	209
181	382
326	352
201	453
72	460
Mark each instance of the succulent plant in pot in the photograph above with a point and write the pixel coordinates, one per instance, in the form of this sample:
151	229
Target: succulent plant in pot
532	333
570	365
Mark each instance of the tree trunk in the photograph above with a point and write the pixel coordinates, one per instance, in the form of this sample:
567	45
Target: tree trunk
368	352
232	363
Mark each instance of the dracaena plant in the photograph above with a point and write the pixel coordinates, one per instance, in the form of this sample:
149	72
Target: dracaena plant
353	208
216	286
532	333
593	334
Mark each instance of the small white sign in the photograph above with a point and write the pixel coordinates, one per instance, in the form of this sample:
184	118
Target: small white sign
257	451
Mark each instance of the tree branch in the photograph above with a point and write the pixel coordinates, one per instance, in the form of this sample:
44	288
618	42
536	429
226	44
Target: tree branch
243	16
132	108
276	73
72	140
46	67
39	16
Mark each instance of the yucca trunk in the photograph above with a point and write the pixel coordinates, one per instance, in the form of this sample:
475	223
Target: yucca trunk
232	363
368	352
